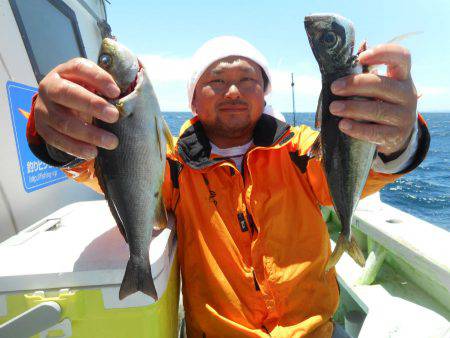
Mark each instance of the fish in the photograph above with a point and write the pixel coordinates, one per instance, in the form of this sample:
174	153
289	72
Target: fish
132	174
346	161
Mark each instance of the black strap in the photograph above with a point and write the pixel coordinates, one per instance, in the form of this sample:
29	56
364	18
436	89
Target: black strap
175	169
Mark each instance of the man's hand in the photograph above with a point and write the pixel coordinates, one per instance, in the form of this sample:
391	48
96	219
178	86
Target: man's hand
388	120
64	108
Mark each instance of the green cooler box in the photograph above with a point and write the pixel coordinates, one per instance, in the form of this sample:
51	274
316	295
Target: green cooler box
61	277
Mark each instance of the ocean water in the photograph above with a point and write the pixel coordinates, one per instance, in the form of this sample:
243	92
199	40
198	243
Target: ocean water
424	193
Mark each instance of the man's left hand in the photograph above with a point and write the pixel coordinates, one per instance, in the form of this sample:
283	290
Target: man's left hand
388	119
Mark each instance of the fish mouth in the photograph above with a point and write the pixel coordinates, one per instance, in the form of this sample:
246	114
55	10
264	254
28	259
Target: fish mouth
134	84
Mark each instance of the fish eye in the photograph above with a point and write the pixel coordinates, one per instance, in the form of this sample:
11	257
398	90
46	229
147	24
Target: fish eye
329	38
105	60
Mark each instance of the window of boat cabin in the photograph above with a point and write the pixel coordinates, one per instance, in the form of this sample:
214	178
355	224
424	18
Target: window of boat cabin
50	33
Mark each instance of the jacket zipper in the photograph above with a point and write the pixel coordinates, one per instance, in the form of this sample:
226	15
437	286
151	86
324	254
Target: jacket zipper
253	228
249	215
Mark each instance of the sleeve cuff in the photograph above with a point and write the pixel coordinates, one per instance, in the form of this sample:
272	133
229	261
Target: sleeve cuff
413	155
45	152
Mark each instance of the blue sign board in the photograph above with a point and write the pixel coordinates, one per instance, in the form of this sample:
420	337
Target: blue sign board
35	173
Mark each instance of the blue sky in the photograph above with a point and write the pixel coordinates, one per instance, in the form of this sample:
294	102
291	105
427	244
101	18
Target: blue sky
165	34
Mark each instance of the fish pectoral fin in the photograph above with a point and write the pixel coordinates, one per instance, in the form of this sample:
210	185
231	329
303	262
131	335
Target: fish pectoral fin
365	68
402	37
362	47
374	69
111	204
168	135
316	149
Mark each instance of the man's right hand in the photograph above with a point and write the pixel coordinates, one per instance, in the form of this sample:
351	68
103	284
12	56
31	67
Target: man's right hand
64	108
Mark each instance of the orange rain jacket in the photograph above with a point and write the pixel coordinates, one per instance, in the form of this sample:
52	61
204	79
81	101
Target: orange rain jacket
252	246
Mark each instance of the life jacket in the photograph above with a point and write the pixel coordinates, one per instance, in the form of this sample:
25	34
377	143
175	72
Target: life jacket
252	243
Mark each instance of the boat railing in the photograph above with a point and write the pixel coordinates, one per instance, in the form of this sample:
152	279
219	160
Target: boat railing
407	267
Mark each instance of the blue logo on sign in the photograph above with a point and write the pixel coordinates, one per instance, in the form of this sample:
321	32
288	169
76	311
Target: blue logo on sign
35	173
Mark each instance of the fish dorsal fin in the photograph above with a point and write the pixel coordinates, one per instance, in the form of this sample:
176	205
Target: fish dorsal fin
318	120
168	135
112	206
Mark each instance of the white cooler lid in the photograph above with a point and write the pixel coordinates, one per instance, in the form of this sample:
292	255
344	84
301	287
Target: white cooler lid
77	246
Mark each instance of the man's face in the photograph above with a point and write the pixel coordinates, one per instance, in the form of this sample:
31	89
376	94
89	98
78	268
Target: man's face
229	98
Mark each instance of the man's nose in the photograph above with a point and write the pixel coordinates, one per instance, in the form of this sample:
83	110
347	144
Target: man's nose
233	92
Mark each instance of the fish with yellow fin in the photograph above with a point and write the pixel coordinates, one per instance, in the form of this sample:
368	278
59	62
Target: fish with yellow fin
131	175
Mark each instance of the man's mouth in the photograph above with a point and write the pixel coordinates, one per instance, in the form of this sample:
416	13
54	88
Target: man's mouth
230	107
233	108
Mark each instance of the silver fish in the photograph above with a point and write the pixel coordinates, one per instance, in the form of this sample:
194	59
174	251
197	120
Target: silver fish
131	175
346	160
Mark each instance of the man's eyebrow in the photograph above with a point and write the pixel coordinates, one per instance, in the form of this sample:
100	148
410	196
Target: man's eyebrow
219	70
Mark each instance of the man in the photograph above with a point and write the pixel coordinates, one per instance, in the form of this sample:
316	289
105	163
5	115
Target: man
252	243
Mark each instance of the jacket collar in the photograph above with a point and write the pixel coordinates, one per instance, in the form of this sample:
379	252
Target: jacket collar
195	149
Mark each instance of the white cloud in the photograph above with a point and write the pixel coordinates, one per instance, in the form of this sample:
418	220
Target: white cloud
166	68
304	84
433	91
168	75
433	98
306	90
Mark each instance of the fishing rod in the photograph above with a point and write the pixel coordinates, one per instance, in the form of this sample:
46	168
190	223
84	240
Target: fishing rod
293	98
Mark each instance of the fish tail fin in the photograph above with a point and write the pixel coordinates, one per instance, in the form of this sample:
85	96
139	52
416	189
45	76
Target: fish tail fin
138	277
337	253
355	252
351	247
